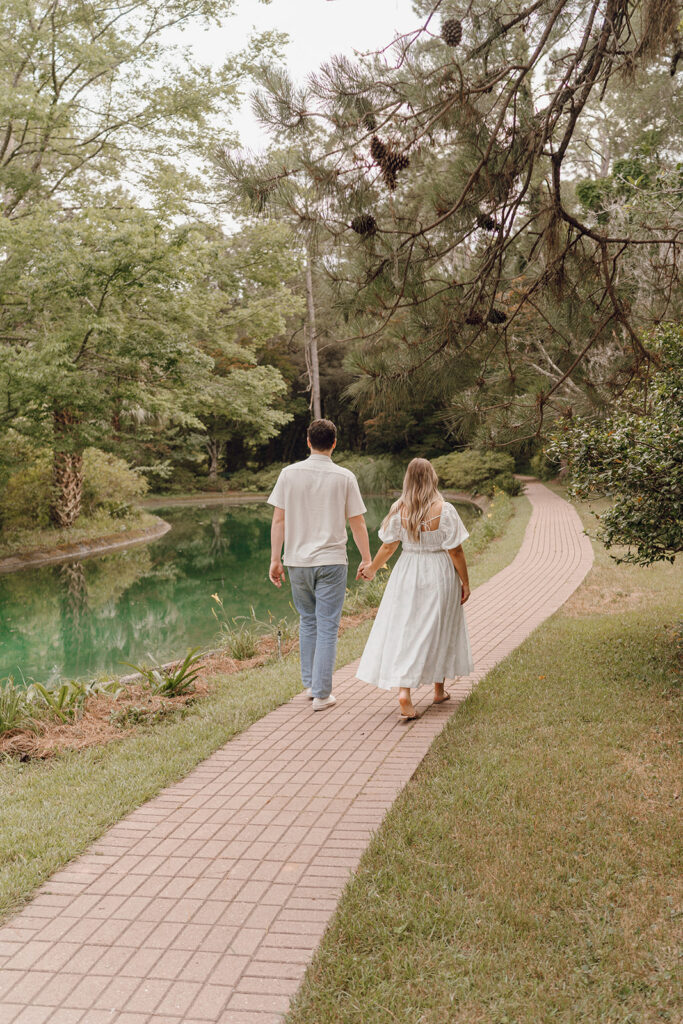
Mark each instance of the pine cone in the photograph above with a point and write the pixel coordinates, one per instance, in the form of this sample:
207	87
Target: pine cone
486	221
451	31
389	160
364	224
474	318
378	151
370	122
674	62
496	316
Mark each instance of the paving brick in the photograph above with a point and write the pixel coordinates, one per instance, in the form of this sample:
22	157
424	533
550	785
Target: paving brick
265	1001
210	1002
147	995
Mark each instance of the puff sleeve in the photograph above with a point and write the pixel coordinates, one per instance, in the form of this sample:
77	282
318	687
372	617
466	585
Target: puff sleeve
454	532
391	533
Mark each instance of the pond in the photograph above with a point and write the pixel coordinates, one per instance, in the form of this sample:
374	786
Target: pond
83	618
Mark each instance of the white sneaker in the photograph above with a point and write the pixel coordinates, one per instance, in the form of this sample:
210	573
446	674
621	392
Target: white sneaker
309	692
319	703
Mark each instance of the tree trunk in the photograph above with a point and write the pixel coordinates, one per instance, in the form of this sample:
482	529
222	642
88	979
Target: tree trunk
313	365
67	476
214	449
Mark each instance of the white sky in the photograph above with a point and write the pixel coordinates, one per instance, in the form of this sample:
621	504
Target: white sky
317	30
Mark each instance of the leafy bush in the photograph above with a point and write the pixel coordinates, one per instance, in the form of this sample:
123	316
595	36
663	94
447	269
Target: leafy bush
376	474
26	497
543	467
634	457
477	472
109	483
257	480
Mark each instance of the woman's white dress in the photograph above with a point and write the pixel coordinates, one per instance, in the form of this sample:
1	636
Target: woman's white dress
420	635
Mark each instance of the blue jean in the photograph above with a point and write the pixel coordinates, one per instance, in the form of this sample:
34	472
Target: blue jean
318	592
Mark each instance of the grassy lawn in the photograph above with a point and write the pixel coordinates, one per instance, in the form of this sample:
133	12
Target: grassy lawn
50	812
530	871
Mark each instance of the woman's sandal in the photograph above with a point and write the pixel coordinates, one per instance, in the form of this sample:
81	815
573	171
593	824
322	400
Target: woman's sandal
442	700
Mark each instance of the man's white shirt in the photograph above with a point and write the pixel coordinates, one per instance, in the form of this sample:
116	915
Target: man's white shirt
317	497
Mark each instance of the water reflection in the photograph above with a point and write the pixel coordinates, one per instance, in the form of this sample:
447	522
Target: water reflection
86	617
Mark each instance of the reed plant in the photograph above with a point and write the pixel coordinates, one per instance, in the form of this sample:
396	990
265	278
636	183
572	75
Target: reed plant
15	712
171	681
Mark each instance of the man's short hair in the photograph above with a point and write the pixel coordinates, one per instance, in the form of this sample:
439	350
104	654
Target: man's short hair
322	434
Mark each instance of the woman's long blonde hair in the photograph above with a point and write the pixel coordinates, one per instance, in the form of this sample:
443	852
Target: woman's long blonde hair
420	491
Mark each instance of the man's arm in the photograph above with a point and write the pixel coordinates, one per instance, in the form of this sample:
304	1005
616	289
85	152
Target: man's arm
277	539
360	536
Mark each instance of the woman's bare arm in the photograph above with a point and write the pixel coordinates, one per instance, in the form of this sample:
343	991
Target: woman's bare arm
457	556
380	559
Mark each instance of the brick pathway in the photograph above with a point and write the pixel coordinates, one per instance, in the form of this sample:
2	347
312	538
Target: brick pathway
206	904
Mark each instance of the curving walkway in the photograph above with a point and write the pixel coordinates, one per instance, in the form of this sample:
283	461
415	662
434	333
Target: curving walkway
205	905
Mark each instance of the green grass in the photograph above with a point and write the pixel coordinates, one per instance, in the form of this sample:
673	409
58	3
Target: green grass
51	811
94	527
496	537
529	871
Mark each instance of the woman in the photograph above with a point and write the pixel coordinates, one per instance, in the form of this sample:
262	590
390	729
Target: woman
419	635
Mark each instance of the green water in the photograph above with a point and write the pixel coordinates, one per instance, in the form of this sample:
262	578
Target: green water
83	618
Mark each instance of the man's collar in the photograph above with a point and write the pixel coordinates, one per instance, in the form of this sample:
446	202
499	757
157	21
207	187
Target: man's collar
319	455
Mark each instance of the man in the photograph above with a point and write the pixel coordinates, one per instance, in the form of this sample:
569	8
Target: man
313	500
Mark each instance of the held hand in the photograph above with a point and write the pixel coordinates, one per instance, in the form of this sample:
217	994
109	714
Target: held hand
362	569
367	573
465	593
277	572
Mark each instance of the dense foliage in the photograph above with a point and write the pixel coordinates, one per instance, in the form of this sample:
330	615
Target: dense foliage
635	458
109	485
478	472
127	319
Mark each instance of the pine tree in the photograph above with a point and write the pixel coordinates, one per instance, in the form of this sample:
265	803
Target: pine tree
485	281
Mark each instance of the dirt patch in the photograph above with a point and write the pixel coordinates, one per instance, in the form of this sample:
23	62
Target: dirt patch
602	599
105	718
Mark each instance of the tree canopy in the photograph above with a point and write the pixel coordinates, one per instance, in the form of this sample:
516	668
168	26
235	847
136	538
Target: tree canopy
498	242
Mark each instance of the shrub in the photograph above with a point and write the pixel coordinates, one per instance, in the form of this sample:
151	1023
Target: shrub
633	456
477	472
256	479
544	467
109	483
376	474
26	497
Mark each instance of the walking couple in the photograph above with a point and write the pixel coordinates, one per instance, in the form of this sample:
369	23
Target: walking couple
419	635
